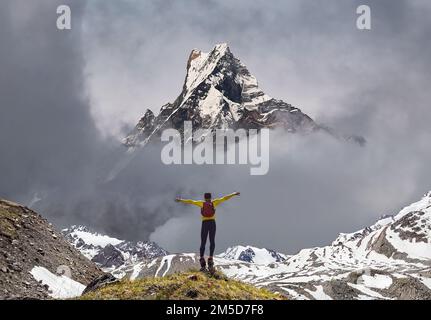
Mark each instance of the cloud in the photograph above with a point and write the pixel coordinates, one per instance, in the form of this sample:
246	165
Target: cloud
316	188
47	134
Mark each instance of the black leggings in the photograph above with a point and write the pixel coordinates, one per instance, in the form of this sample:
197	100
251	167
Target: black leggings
208	227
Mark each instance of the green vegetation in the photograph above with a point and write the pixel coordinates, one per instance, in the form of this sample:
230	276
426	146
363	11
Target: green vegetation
7	219
182	286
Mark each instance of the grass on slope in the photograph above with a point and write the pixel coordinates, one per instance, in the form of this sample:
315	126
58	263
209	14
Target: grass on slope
182	286
7	219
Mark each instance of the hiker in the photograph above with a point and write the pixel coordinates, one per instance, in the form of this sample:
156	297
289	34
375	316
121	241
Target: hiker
208	224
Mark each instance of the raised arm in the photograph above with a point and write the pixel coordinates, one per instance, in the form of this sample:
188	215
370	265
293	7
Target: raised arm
218	201
187	201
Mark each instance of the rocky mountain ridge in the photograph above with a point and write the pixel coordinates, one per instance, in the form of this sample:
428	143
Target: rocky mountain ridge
107	252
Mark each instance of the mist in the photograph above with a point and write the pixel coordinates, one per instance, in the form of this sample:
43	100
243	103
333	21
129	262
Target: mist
67	99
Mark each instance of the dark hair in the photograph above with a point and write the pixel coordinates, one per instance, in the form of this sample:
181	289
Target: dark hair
207	195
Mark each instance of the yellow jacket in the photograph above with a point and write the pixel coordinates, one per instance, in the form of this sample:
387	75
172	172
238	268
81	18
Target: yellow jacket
200	203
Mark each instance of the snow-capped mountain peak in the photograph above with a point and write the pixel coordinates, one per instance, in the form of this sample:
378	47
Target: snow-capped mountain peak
253	255
82	236
220	92
200	65
109	252
422	204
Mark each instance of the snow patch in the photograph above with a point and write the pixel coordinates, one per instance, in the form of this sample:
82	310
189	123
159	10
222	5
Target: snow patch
319	294
137	268
165	260
378	281
419	250
96	239
368	292
60	287
426	281
212	104
202	66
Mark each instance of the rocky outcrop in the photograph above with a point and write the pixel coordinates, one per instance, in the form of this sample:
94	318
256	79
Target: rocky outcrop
27	241
100	282
340	290
409	289
382	245
109	257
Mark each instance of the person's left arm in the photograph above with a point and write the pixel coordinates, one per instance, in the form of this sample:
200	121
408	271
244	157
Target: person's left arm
218	201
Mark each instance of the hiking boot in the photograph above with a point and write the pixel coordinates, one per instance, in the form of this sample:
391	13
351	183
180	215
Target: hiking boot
211	265
203	264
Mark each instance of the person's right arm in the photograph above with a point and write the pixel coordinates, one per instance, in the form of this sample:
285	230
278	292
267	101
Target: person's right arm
194	202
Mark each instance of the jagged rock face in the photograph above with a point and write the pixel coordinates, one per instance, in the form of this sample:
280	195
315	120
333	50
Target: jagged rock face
414	227
220	92
340	290
247	255
144	127
410	289
109	257
140	249
100	282
28	243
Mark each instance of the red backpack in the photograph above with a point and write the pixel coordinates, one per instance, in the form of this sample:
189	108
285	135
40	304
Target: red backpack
208	209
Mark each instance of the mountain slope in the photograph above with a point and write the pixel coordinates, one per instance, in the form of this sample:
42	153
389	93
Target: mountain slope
220	92
35	258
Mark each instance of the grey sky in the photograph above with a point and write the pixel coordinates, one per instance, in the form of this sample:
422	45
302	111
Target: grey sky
67	97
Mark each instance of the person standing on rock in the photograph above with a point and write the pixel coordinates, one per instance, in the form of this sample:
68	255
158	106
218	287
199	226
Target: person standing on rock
208	224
